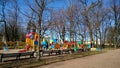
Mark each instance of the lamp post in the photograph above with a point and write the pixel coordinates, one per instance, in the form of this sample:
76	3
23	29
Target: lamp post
5	28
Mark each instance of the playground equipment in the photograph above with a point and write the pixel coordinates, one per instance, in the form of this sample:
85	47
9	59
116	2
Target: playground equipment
54	45
93	48
31	42
5	48
45	44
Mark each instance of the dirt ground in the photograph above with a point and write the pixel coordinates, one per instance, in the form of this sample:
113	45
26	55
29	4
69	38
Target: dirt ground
110	59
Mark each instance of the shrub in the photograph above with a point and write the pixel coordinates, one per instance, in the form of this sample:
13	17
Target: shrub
12	45
21	45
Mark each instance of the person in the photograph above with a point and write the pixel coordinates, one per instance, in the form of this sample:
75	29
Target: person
91	45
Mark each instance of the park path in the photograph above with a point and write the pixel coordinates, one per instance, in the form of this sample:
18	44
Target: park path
110	59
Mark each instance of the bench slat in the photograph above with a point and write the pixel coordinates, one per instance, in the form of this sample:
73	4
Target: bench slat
17	55
10	55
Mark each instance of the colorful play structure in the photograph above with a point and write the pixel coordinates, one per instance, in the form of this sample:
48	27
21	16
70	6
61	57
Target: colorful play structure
52	44
31	42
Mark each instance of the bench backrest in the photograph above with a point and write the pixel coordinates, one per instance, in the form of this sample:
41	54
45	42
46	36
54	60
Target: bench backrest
46	51
26	53
10	55
17	54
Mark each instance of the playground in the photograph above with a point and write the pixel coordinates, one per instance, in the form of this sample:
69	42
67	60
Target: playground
49	47
59	33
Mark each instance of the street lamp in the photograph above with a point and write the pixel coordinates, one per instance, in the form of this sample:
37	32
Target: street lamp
5	27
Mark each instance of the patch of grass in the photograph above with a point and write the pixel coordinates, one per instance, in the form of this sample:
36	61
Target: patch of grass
31	63
107	49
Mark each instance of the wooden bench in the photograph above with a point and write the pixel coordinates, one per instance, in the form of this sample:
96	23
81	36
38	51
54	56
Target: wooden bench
31	54
50	52
45	52
17	55
56	51
65	51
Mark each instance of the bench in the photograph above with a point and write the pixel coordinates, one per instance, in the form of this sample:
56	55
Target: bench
50	52
65	51
56	51
45	52
17	55
31	54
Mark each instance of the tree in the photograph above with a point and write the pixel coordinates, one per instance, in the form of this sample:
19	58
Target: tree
87	15
31	26
14	20
115	11
38	7
71	17
98	17
3	4
59	23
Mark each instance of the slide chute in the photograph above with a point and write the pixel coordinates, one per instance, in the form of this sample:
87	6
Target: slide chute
31	41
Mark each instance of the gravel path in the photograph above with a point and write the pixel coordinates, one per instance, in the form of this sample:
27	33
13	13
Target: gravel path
111	59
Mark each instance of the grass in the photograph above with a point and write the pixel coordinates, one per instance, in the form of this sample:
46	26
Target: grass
31	63
107	49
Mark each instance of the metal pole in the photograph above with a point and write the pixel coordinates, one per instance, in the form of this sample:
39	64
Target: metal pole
5	28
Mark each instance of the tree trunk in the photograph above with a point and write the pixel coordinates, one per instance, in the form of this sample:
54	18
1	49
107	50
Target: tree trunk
91	37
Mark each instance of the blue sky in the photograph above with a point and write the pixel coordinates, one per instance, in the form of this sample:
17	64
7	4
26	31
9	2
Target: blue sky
58	4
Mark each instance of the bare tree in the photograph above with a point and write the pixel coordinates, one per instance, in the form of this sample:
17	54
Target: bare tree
86	15
59	23
38	7
70	15
115	11
2	14
13	20
31	26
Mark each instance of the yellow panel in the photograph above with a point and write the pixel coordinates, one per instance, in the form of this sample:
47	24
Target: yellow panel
32	43
28	40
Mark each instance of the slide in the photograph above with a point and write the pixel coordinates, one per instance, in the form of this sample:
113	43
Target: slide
25	49
31	40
